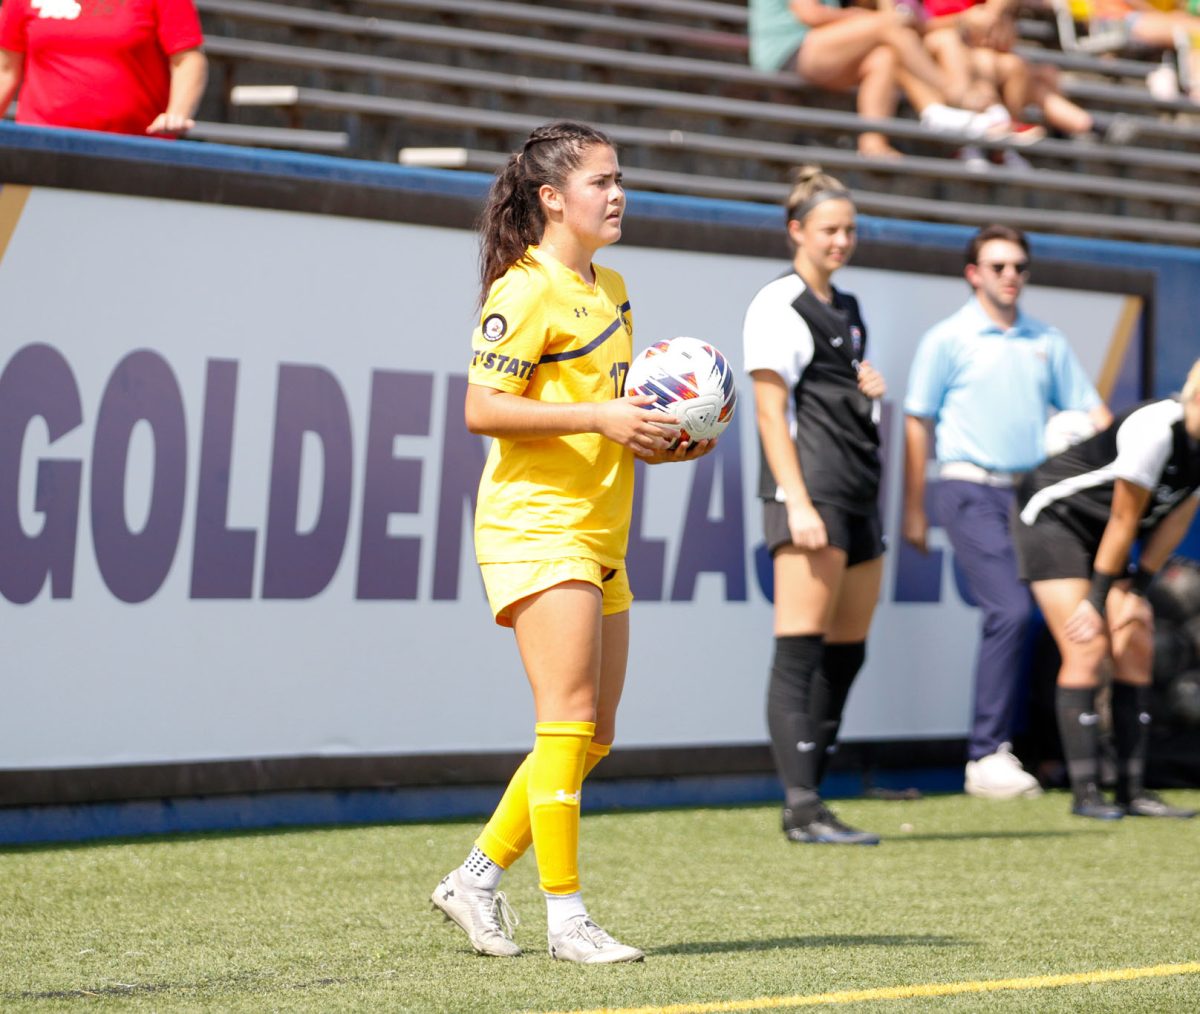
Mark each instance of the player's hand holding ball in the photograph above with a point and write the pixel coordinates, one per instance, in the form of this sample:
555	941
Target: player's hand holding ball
632	422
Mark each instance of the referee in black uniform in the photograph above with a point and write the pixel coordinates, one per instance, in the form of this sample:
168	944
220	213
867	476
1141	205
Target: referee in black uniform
1079	515
817	405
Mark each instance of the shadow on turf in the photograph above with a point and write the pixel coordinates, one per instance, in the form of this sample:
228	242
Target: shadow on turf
900	839
829	940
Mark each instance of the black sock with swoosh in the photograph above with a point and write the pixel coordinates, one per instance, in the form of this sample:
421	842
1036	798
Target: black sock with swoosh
1079	727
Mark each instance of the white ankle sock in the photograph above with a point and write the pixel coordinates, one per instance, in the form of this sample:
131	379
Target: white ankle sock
997	114
561	908
479	871
937	116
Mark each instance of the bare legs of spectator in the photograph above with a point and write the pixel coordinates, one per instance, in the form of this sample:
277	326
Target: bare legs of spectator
954	57
873	50
1007	75
1158	28
1058	111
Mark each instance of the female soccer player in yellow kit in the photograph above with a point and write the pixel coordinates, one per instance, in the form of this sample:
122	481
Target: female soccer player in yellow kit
546	380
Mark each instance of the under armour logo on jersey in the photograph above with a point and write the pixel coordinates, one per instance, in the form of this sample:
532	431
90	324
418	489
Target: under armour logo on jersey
1144	718
563	796
836	341
804	747
581	311
1088	718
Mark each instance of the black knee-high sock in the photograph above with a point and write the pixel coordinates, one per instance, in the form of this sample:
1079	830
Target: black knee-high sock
831	686
1078	725
789	717
1131	733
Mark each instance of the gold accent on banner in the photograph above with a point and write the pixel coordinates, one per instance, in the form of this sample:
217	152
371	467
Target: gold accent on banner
12	203
1118	345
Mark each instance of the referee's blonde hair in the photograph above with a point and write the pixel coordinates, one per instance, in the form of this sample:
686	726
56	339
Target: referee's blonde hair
1191	386
809	184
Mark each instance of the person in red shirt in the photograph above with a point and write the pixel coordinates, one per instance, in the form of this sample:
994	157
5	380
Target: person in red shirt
122	66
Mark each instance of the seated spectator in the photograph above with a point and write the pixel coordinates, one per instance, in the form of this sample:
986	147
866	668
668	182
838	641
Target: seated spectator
875	50
1160	24
133	67
972	41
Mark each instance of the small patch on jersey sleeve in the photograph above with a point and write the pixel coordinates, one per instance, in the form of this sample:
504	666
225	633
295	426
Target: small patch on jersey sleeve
494	327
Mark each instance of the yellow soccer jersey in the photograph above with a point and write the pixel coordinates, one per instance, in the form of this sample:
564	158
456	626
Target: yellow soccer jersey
546	334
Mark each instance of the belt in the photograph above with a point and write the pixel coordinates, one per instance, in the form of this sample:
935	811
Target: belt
968	471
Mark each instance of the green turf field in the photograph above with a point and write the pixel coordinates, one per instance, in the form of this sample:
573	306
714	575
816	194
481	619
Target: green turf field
726	910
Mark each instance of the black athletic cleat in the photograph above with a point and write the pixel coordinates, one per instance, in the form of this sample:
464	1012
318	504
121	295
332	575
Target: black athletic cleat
1150	804
825	829
1091	803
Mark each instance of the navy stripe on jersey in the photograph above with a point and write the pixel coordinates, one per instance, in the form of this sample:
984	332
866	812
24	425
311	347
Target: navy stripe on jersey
595	343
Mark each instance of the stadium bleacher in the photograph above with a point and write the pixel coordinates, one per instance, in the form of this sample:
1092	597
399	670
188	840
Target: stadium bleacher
460	82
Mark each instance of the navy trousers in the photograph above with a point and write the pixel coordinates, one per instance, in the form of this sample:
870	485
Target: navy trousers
977	519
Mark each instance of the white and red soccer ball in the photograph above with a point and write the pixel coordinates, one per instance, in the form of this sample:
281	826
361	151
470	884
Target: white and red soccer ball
691	381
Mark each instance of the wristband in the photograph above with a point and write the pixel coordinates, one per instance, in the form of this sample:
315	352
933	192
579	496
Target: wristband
1141	581
1098	592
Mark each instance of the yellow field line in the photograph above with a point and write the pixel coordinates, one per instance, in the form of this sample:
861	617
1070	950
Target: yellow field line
909	992
12	203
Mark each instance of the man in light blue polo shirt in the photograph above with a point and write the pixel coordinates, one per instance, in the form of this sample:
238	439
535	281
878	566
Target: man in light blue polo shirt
983	380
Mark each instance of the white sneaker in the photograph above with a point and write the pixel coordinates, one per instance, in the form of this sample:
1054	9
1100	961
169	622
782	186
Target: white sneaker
999	775
587	943
485	916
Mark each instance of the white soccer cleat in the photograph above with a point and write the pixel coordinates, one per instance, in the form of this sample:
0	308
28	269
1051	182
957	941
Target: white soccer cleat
999	775
485	916
583	941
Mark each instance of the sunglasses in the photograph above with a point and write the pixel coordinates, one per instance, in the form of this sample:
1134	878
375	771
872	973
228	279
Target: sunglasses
999	267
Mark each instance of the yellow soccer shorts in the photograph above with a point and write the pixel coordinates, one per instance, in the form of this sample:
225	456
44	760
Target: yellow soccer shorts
508	583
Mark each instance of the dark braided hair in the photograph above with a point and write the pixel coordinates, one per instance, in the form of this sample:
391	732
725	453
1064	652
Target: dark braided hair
512	218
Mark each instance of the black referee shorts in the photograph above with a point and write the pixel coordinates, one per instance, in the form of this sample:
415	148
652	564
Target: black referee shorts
1048	549
860	536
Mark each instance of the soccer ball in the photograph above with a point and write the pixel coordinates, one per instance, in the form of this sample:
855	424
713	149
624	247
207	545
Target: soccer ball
1066	429
691	381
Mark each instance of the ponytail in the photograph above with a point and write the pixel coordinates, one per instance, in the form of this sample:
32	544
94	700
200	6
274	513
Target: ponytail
512	219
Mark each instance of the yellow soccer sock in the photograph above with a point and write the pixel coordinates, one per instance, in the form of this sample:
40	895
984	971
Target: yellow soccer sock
596	752
508	834
555	780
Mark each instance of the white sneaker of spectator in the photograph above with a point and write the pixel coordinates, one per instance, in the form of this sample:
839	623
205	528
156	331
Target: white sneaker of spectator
993	123
999	775
1163	83
943	119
